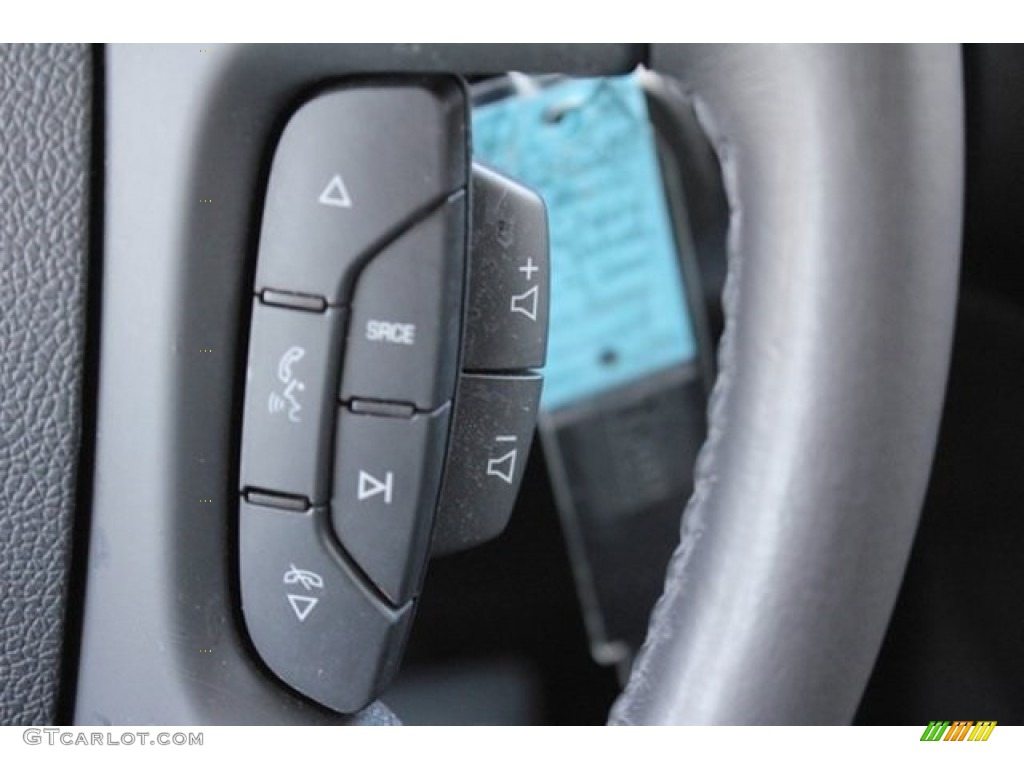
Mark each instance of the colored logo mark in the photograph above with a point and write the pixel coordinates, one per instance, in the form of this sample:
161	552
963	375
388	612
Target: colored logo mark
958	730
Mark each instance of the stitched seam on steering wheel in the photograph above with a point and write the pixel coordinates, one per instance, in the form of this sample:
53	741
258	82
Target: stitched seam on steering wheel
693	525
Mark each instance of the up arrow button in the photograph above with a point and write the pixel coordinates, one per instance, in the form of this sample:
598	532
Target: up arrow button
353	167
336	193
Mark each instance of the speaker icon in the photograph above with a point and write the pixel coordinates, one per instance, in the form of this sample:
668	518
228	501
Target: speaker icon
526	303
504	466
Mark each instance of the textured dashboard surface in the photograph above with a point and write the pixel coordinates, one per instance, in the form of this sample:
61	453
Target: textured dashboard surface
44	160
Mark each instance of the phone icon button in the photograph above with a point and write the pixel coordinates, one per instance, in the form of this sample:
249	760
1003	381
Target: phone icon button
289	402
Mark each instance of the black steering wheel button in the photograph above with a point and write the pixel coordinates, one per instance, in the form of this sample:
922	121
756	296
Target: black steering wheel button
387	476
289	401
493	428
352	167
310	618
403	337
507	316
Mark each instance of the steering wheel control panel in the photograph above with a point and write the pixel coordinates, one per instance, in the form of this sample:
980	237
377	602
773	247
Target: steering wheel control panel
400	310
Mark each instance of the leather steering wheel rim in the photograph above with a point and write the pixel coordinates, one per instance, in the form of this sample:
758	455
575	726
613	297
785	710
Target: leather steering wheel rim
844	172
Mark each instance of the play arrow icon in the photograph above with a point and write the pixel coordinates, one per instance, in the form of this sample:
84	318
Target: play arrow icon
336	193
370	486
303	605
